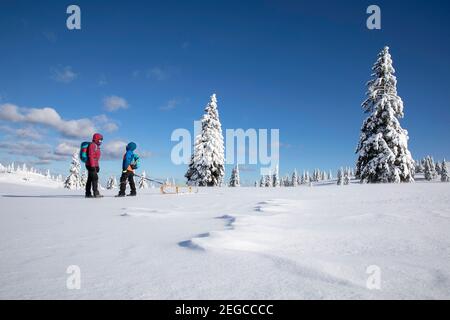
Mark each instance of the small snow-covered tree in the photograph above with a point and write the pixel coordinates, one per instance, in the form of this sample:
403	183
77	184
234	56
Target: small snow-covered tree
330	175
268	181
111	183
207	162
256	184
429	169
347	176
262	182
84	177
288	181
294	180
438	168
419	166
142	184
235	180
383	146
276	178
340	177
444	172
73	181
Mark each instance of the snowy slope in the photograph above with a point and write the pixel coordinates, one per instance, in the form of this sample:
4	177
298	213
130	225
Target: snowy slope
28	179
229	243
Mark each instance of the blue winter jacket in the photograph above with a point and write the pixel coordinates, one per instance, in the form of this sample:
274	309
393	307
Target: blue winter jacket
129	158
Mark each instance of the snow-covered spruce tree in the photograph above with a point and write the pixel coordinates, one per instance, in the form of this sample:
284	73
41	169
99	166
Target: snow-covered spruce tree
111	183
294	180
262	182
419	166
207	162
276	178
287	181
73	181
84	178
428	169
444	172
268	181
142	184
235	180
437	167
340	177
347	176
383	146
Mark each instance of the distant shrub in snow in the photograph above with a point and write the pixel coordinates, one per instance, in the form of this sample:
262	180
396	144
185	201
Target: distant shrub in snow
235	180
111	183
444	172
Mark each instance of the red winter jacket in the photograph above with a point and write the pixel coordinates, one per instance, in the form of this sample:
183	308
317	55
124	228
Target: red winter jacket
94	155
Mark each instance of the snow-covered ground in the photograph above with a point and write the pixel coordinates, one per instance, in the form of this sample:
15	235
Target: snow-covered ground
228	243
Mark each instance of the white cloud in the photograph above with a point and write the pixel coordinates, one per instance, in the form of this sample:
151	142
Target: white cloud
113	149
79	128
42	152
114	103
159	73
27	133
170	105
66	149
10	112
63	74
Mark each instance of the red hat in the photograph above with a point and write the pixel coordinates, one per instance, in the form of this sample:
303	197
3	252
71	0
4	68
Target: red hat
97	137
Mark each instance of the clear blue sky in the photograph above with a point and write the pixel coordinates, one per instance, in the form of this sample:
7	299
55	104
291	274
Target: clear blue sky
299	66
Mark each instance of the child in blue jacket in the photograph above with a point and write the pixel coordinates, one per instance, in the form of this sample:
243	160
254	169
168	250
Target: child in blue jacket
130	163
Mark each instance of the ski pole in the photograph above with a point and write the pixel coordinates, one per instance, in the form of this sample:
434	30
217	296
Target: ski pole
149	179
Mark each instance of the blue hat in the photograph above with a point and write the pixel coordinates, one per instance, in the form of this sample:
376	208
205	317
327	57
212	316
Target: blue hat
131	146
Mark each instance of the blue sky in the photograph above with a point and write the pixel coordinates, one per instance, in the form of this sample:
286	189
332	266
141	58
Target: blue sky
297	66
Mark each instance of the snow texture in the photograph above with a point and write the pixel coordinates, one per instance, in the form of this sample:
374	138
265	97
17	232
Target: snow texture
228	243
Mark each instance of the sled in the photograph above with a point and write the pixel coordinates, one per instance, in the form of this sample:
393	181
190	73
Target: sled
168	188
171	189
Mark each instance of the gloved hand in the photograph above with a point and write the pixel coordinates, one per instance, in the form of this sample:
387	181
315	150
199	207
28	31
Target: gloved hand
97	169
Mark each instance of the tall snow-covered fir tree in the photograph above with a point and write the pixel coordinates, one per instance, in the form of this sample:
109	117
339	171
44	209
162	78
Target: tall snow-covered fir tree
383	146
444	172
73	181
208	159
235	180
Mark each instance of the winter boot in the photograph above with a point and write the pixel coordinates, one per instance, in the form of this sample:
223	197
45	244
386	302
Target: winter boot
132	194
120	195
97	195
88	195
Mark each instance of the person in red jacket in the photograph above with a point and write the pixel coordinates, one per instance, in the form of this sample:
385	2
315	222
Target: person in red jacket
93	166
